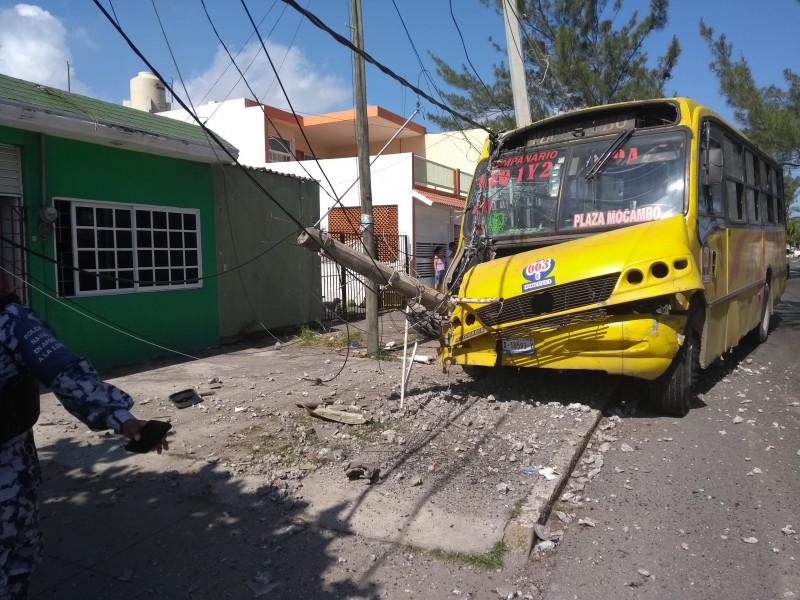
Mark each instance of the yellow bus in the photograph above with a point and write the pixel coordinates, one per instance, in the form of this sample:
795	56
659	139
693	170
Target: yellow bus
641	238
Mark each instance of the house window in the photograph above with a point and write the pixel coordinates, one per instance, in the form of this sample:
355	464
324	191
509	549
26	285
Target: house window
105	247
280	149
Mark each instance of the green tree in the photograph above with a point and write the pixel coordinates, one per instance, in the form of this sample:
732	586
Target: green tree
793	230
770	115
574	57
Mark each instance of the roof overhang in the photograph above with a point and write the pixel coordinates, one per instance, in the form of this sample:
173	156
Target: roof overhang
430	198
71	126
338	128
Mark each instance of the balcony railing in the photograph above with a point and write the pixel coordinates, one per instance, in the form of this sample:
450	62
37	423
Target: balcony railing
439	177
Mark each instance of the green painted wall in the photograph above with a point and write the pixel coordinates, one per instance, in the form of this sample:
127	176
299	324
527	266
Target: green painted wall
183	320
278	283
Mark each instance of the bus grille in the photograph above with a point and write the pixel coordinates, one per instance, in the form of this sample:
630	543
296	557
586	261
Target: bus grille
556	299
584	318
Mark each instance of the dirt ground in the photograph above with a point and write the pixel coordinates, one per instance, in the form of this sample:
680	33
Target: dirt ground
416	497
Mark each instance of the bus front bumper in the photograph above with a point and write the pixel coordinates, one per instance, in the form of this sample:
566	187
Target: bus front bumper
635	345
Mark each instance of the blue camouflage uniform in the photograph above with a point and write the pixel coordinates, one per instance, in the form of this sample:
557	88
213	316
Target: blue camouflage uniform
28	346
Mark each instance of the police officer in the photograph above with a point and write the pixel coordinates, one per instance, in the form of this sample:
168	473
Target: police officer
30	353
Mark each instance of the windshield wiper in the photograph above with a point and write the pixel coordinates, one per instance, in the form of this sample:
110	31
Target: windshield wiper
623	137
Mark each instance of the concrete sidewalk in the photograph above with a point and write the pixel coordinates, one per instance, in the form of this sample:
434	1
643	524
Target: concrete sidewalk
201	522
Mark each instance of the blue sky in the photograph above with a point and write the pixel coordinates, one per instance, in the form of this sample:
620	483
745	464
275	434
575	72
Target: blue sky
37	40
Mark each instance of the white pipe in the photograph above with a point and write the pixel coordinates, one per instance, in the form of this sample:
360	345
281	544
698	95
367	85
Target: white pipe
405	352
411	364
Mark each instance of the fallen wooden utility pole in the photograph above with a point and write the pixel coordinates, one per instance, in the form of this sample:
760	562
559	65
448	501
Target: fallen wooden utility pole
408	287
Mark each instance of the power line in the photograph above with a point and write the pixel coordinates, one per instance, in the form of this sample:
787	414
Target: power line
216	139
474	70
344	41
202	125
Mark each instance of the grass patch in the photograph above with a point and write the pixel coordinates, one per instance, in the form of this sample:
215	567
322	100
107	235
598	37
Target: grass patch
368	432
324	338
384	355
516	510
490	561
260	441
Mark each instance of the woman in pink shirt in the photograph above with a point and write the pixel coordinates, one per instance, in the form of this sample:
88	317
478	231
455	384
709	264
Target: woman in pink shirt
438	268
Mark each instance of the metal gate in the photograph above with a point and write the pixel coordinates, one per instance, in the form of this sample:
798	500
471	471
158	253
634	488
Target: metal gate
12	220
344	292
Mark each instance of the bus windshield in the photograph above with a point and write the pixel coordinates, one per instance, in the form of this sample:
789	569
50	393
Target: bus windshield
531	192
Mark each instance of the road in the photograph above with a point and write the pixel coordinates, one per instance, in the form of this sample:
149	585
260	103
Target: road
695	507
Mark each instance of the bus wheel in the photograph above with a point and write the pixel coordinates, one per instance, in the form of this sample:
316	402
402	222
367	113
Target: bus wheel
671	393
477	371
761	332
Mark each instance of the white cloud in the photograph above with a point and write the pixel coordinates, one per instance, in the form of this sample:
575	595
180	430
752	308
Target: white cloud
309	89
33	46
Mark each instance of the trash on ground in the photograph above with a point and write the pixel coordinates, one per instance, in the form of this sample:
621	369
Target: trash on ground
185	398
549	473
339	416
362	471
261	584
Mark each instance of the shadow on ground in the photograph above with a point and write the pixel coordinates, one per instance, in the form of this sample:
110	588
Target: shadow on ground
114	530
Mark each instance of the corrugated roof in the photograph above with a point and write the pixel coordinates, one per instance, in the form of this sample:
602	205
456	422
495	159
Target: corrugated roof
26	94
451	201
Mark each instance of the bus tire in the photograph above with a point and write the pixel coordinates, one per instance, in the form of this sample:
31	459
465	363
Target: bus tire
671	393
760	333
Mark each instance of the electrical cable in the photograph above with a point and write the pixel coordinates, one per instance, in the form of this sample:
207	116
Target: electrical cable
211	134
474	70
345	42
92	316
171	54
241	49
207	131
424	72
283	89
367	251
263	109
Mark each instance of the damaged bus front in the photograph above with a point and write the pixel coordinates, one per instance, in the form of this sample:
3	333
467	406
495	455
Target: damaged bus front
583	247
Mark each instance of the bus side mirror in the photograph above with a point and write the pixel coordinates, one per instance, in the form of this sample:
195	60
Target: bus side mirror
712	170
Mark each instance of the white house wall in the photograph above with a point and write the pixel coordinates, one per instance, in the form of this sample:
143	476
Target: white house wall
456	149
241	126
391	184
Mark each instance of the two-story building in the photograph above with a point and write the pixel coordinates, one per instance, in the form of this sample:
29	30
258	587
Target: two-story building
419	181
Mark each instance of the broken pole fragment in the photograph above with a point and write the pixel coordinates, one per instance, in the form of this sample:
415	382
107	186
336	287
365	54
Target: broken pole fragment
408	287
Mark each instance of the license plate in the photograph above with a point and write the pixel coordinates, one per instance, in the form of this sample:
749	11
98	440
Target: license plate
518	346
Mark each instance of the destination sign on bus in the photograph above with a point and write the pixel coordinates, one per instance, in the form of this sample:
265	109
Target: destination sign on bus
520	167
625	216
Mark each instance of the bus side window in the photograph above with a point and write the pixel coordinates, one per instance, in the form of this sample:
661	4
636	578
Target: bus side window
777	190
734	179
767	198
712	194
750	171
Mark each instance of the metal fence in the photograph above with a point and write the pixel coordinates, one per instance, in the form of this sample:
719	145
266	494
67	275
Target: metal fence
344	292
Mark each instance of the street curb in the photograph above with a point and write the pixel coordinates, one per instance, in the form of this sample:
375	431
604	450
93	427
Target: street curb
519	535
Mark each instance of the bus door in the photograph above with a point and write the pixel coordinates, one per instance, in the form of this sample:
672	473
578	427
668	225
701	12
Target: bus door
712	232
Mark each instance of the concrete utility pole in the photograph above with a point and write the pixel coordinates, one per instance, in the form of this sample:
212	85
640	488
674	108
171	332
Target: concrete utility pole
516	66
408	287
365	183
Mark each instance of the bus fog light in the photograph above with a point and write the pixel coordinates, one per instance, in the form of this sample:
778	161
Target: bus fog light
659	270
635	277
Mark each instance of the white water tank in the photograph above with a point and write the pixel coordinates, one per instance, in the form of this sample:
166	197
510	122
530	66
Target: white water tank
148	93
